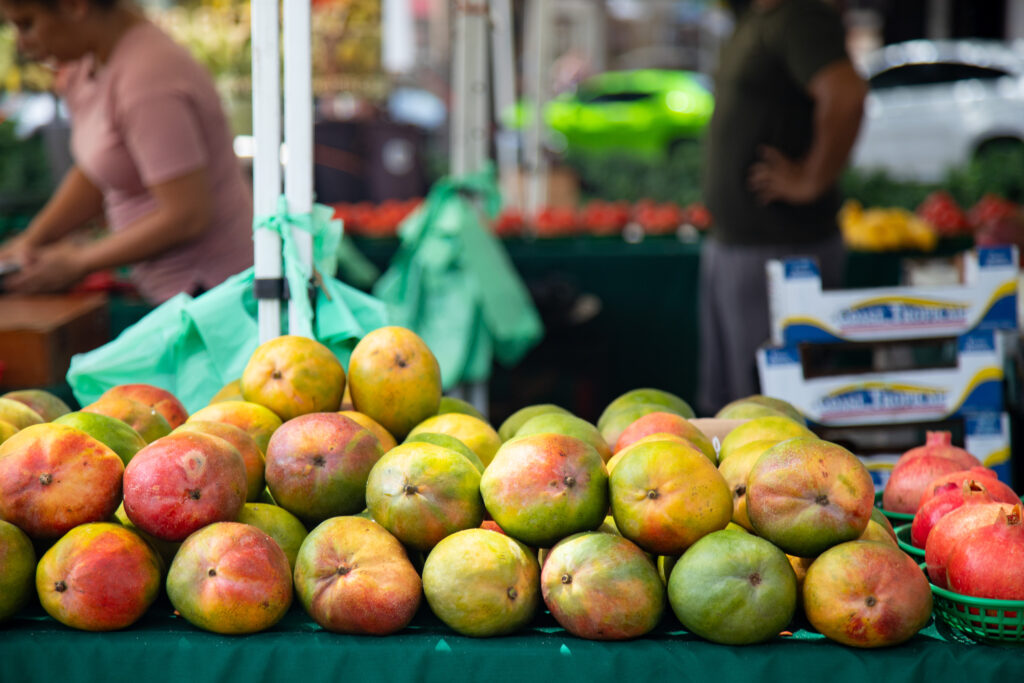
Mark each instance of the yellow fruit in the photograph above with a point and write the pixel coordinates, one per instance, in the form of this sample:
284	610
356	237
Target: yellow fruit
394	378
293	376
481	438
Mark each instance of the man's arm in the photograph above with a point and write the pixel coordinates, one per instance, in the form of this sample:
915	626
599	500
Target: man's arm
838	92
184	208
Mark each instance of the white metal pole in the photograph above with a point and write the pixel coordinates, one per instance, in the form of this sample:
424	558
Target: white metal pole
398	49
479	88
458	141
298	130
504	75
266	123
470	121
536	164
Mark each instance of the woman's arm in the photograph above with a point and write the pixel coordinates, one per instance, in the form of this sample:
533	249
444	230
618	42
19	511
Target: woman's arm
75	202
182	213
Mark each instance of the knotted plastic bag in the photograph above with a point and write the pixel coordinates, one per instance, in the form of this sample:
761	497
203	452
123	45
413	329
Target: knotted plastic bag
452	282
194	346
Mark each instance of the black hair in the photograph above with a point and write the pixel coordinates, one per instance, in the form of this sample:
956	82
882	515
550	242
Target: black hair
52	4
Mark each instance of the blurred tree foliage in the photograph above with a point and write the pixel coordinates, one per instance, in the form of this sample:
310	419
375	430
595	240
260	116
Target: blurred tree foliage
877	188
16	73
999	170
24	169
677	177
25	179
613	177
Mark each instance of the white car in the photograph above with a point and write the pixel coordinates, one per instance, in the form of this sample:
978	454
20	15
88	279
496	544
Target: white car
935	105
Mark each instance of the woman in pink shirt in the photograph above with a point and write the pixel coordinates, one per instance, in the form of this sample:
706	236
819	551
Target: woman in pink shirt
152	153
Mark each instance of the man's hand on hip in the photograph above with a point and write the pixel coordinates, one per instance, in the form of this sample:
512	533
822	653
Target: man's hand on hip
775	177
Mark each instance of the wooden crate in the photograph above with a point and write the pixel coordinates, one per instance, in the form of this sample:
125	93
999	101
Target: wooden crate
40	333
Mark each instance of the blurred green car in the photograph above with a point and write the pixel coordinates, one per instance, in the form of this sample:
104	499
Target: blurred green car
649	112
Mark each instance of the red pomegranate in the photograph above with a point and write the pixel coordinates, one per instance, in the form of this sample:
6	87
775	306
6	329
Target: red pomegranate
918	466
949	497
986	562
941	444
999	491
952	527
908	482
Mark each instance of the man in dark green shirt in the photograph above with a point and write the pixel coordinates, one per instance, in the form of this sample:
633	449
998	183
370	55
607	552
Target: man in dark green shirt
788	105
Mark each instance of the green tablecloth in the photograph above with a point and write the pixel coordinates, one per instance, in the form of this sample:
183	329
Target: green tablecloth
162	647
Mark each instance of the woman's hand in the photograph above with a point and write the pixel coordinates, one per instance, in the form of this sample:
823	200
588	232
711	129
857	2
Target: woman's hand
52	268
19	250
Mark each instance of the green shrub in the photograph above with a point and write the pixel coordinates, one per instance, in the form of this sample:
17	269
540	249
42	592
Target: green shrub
677	177
877	188
1000	170
612	177
24	168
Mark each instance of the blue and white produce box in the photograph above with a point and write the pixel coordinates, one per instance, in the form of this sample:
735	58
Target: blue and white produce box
801	311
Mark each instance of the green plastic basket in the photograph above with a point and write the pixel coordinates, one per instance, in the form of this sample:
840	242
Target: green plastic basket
982	620
903	540
894	517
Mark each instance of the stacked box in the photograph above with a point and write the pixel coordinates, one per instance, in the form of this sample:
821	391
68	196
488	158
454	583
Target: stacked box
980	316
974	384
986	435
802	312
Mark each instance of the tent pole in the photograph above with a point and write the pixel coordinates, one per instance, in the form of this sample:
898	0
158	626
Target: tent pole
266	120
538	27
298	133
471	115
503	70
470	122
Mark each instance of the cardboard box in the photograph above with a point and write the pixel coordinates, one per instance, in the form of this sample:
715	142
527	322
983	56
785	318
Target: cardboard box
801	311
561	191
39	334
974	383
879	447
716	429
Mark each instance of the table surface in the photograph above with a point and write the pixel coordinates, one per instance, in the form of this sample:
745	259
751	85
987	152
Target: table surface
46	311
161	646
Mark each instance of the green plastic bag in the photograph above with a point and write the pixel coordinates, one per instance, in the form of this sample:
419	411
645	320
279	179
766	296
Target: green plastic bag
452	282
194	346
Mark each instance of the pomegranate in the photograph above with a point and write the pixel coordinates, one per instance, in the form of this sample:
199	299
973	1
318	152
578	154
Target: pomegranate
949	497
999	491
907	483
920	465
941	444
985	562
952	527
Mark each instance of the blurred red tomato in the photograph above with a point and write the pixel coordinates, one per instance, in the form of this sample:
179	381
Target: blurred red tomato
509	223
599	217
944	214
698	216
991	208
375	220
555	221
658	218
